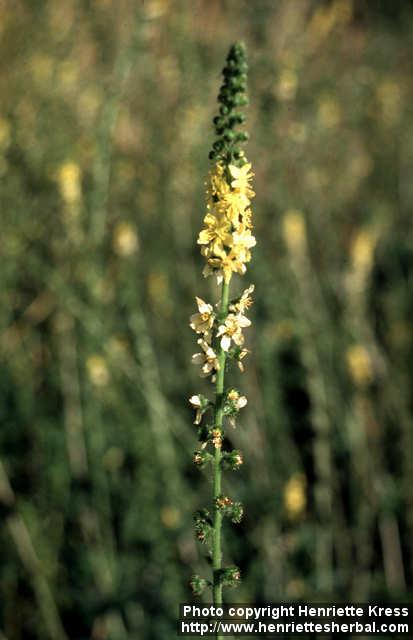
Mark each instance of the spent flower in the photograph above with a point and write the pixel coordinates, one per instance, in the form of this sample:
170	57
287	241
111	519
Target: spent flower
202	321
207	358
200	404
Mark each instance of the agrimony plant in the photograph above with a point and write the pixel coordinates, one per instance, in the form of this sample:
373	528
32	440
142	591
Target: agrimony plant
226	241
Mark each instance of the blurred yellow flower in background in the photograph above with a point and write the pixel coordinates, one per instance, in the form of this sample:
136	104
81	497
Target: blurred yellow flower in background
170	516
97	370
287	85
155	8
125	239
359	365
294	231
68	76
69	182
362	250
295	499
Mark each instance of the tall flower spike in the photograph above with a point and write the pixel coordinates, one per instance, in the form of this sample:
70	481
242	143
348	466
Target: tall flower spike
226	242
227	239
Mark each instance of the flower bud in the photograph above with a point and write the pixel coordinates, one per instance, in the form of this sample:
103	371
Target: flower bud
203	525
198	585
229	577
202	458
232	460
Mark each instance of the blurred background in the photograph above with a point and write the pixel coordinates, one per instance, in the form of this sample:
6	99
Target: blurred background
105	127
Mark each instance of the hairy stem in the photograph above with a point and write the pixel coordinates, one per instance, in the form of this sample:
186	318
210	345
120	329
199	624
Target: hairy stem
218	418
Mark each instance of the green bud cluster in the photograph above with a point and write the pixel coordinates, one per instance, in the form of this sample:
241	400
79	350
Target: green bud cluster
232	459
232	96
202	458
203	525
232	510
198	584
229	576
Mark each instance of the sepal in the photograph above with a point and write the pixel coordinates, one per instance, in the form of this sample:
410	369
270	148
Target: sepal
198	584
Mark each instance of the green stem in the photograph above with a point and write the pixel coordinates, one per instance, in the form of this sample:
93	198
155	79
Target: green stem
218	420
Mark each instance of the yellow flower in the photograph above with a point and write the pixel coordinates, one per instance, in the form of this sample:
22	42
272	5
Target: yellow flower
125	239
97	370
359	365
244	302
69	181
238	401
235	203
362	250
295	495
294	231
232	330
226	239
232	263
287	85
218	227
202	322
239	254
207	359
241	179
242	240
216	184
247	219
